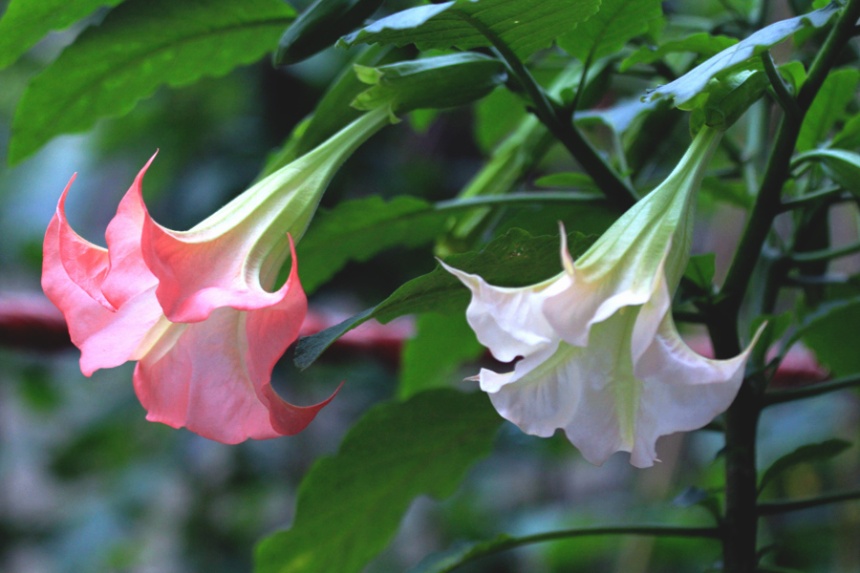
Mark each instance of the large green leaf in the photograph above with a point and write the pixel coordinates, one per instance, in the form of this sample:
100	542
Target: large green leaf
696	80
524	25
430	359
849	136
349	505
514	259
141	45
826	333
701	44
26	22
728	97
319	26
616	23
842	165
830	105
356	230
332	112
808	453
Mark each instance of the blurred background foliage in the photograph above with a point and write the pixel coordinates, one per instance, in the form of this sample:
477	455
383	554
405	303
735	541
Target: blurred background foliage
87	485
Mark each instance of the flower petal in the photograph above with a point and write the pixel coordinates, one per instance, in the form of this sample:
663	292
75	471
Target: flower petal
195	278
123	335
604	422
537	395
72	273
214	377
585	302
509	321
79	300
682	390
128	275
73	258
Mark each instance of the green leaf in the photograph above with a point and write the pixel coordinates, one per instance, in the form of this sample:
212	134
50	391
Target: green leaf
843	166
349	505
497	116
26	22
430	359
702	44
616	23
319	26
849	136
514	259
618	117
729	95
794	73
826	332
721	190
460	553
809	453
526	143
700	271
837	92
696	80
331	114
776	326
524	25
141	45
567	180
430	83
356	230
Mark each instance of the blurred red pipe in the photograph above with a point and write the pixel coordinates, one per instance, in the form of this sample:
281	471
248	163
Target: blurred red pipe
31	322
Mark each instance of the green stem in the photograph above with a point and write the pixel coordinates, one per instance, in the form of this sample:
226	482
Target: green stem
768	204
805	281
826	254
774	507
793	394
506	543
833	193
783	96
612	185
518	198
740	520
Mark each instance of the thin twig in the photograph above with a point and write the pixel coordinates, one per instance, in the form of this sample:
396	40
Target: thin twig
774	507
504	544
790	395
562	127
783	96
833	194
826	254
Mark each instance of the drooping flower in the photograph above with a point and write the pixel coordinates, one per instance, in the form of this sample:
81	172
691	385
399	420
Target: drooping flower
599	354
196	309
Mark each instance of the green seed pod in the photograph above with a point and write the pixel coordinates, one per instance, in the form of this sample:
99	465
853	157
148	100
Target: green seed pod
431	83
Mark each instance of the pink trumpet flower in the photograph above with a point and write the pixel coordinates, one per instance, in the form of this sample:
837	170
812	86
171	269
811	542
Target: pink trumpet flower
195	309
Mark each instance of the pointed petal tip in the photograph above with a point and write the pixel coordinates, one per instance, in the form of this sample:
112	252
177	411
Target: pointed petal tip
288	419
